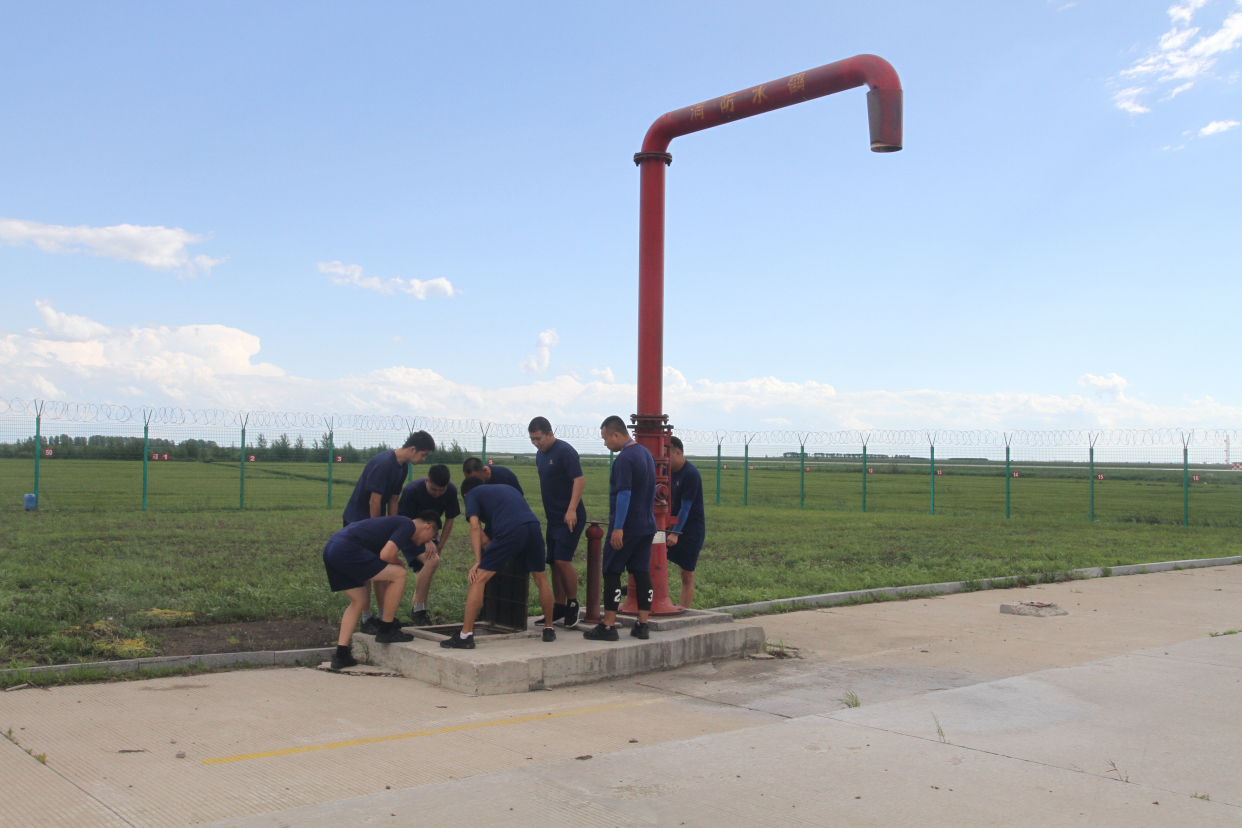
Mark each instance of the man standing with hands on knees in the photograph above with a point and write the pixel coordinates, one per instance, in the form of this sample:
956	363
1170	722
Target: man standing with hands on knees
685	539
561	484
631	528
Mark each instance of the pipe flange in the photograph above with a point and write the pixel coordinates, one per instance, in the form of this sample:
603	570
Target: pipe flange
666	157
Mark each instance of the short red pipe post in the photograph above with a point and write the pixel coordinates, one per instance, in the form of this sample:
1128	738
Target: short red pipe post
651	428
595	565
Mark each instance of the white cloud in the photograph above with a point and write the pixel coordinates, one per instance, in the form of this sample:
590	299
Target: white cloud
397	340
340	273
159	248
1217	126
537	362
604	373
1180	56
76	358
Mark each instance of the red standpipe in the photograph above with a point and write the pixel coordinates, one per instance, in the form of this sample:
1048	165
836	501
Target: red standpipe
651	428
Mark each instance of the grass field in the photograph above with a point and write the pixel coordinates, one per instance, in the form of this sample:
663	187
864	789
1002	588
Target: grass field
91	585
1047	491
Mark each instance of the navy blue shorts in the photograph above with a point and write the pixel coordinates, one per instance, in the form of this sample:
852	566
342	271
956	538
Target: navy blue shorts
633	556
524	543
686	553
412	559
350	566
561	542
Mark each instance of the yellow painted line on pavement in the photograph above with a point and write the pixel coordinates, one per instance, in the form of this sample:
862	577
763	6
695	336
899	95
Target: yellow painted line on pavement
242	757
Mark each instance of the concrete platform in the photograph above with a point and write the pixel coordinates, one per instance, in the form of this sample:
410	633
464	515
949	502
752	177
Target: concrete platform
521	662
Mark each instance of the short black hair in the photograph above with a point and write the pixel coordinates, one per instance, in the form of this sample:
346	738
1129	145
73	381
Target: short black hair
615	424
675	442
472	465
420	440
469	485
539	424
439	474
428	516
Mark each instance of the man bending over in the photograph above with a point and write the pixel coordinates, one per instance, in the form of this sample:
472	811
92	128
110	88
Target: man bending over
631	528
365	552
437	494
474	467
515	534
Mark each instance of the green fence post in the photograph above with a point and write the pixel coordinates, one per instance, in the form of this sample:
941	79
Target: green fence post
610	456
241	502
1091	461
718	474
331	461
746	475
146	457
1185	485
38	448
864	469
485	452
802	480
1008	477
932	473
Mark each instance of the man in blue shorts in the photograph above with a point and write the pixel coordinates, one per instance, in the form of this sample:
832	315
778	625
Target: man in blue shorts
515	534
437	494
474	467
378	491
631	528
685	539
365	552
561	484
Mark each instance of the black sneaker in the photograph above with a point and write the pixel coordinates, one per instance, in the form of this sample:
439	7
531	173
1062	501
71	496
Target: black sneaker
549	634
341	662
640	630
558	612
571	615
601	633
371	626
456	642
392	634
420	619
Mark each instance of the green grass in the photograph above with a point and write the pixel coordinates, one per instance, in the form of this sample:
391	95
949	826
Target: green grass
80	586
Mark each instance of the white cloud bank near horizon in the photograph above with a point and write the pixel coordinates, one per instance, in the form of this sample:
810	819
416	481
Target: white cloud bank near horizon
78	359
159	248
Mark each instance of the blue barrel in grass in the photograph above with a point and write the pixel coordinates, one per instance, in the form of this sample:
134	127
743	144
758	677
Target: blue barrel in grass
30	502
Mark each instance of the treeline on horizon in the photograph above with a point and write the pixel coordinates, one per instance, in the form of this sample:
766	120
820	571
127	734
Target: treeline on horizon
279	450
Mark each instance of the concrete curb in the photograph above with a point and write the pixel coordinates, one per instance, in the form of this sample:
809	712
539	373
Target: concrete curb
833	599
261	657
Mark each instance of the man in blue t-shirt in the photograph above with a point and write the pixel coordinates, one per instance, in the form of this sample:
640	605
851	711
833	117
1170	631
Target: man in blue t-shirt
378	492
561	484
631	528
434	493
474	467
514	534
365	552
685	539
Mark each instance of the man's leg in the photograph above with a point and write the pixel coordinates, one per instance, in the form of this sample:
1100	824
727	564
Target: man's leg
564	572
558	584
474	601
359	599
422	587
545	596
391	580
687	588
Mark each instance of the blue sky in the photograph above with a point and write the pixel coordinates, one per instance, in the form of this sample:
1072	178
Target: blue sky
1057	245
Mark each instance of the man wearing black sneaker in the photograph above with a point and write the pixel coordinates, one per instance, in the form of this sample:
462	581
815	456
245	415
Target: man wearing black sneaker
685	538
631	528
365	552
561	485
515	534
435	493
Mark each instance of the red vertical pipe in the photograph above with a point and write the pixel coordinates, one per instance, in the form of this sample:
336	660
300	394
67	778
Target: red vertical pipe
651	286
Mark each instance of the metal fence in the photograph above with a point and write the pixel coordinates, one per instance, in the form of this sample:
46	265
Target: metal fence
73	456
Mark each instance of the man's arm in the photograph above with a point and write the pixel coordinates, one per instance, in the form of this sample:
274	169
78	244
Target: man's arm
448	530
571	516
392	504
390	554
377	505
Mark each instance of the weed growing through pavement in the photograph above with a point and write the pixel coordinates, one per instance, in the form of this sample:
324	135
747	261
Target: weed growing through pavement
1113	769
1204	797
777	649
1226	632
42	757
939	729
850	699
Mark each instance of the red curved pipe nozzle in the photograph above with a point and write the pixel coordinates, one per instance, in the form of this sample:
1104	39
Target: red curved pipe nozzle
883	102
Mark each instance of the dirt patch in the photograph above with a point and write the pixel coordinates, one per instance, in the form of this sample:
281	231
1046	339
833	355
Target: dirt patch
245	637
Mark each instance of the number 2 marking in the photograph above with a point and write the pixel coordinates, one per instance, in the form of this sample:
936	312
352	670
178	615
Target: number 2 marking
618	598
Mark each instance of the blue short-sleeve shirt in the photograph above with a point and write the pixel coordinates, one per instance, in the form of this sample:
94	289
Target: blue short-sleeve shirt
502	475
634	469
502	508
373	534
687	487
415	499
558	468
384	476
